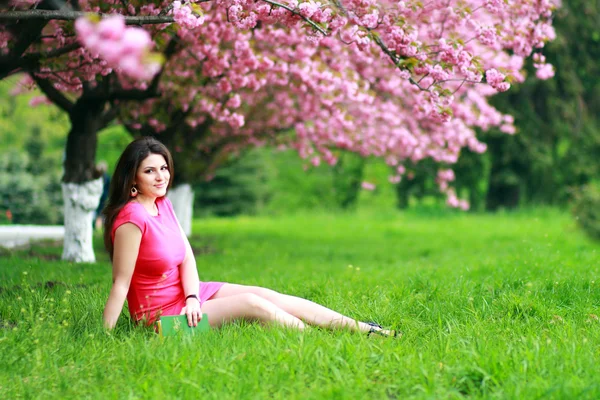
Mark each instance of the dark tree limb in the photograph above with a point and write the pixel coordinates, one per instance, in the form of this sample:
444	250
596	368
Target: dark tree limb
68	15
109	115
53	94
26	33
30	62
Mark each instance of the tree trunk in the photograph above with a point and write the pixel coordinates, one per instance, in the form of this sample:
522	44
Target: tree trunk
80	157
182	197
80	202
81	186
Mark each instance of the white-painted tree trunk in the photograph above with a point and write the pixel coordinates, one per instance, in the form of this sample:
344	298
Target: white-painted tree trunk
80	201
182	198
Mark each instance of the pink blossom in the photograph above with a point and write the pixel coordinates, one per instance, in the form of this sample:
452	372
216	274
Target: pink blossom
494	6
185	17
234	102
125	48
446	175
84	27
368	186
546	71
488	36
493	77
111	51
308	8
111	28
496	80
502	87
37	100
236	121
508	128
135	41
371	20
394	179
539	58
452	200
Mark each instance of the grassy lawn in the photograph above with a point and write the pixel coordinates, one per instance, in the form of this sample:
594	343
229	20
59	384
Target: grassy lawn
491	306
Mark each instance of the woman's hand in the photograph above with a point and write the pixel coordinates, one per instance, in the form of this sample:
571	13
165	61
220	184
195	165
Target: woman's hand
193	311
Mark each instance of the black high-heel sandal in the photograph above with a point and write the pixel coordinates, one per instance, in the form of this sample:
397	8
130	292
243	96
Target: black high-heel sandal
378	330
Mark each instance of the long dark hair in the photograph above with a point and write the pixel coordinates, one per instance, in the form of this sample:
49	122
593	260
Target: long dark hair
123	178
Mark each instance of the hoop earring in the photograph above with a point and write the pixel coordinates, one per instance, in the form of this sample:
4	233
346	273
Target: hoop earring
134	191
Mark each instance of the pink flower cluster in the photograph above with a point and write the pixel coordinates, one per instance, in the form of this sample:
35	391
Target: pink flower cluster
496	80
37	100
123	48
368	186
184	16
453	201
443	177
5	37
544	70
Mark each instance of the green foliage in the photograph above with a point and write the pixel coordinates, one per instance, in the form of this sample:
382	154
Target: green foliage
558	138
31	198
498	306
19	121
265	180
377	172
418	187
417	184
31	152
297	185
586	208
558	120
111	143
238	187
347	179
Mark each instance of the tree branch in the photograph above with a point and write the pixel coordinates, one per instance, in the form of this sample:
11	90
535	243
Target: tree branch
109	115
53	94
293	11
65	15
30	62
395	59
25	33
68	15
57	52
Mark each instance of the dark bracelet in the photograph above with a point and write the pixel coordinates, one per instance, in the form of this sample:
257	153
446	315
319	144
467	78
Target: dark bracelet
192	295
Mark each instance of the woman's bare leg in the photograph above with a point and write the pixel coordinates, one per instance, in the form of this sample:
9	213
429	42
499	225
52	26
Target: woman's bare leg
303	309
247	306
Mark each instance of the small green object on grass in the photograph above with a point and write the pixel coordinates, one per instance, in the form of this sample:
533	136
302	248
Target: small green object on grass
173	325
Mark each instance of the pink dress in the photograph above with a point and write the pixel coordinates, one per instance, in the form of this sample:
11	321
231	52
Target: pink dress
156	287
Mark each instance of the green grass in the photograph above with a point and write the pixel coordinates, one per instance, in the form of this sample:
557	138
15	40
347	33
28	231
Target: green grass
491	306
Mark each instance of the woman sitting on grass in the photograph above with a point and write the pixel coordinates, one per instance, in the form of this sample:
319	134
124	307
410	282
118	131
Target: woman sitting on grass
153	264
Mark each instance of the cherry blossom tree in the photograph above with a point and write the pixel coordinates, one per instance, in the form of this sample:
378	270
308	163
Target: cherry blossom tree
403	81
293	88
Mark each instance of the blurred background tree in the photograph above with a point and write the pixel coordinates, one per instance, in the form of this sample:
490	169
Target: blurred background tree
30	159
555	150
557	147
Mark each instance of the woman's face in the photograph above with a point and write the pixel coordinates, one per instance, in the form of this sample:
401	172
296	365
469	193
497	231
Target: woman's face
152	176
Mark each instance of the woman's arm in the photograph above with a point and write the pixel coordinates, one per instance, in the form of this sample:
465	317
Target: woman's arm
126	248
